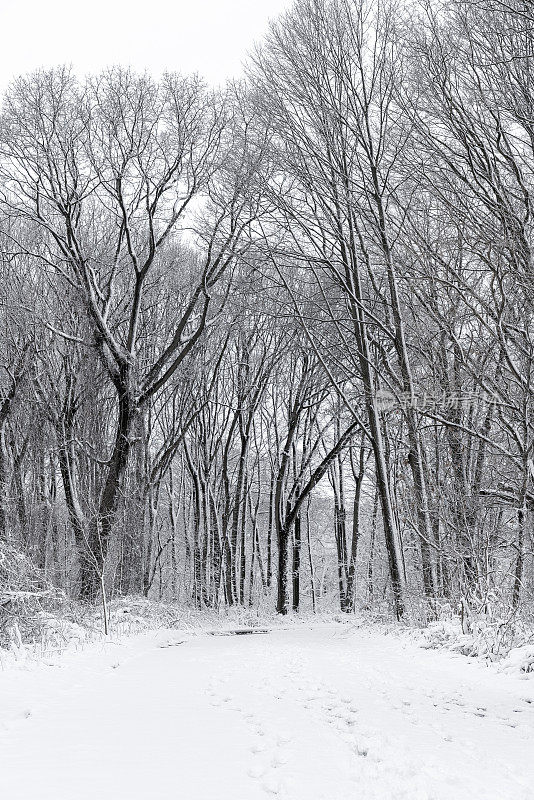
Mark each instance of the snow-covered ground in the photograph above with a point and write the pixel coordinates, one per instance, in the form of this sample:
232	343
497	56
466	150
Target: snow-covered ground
326	711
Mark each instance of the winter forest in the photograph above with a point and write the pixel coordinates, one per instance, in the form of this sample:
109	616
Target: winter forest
274	344
267	359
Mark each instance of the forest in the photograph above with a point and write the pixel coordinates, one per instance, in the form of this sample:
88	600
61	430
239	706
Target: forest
272	344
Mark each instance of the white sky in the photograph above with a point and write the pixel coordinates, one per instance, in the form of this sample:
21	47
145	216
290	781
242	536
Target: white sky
207	36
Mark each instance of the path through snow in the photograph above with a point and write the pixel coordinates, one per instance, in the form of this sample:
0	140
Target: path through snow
310	713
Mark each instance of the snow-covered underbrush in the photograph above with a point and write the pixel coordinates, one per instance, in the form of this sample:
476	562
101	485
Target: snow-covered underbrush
508	640
31	610
37	620
44	621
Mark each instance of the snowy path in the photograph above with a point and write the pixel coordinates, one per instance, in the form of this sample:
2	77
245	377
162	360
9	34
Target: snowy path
300	714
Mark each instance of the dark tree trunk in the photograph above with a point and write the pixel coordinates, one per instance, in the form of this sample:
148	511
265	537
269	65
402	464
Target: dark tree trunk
102	525
297	542
351	573
519	561
3	483
270	526
284	556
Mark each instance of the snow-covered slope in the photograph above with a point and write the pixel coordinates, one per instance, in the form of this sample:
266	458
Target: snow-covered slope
328	712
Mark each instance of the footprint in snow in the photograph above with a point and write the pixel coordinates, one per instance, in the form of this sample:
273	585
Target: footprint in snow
279	759
256	771
272	786
360	750
283	739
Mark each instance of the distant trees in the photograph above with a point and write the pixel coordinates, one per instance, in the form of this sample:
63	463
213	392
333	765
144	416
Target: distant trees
341	141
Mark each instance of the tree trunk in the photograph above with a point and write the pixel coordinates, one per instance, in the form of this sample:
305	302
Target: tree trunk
310	559
270	526
3	484
351	575
297	541
102	525
519	561
283	602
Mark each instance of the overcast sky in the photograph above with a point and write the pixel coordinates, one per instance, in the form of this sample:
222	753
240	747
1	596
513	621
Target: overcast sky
207	36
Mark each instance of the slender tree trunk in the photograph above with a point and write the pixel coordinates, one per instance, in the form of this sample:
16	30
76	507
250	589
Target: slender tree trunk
270	526
238	511
297	543
372	543
351	576
391	532
3	484
67	468
520	557
243	542
310	559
